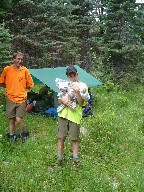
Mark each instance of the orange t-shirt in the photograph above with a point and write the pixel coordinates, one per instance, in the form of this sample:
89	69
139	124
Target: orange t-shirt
17	82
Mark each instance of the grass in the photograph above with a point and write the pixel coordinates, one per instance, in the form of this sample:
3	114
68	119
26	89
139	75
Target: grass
111	155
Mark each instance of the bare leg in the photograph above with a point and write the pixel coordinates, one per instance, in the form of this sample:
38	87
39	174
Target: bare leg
20	123
12	125
60	147
75	146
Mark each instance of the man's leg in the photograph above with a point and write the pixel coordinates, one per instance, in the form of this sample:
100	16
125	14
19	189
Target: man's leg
20	123
20	113
62	131
23	134
75	146
74	133
11	134
60	147
12	125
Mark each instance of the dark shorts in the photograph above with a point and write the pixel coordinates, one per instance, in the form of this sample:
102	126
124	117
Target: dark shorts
15	109
66	127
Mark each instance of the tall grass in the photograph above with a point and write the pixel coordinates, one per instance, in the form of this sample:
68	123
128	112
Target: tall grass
111	154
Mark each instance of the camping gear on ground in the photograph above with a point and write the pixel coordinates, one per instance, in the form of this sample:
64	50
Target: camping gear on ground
90	99
87	111
36	103
52	111
29	107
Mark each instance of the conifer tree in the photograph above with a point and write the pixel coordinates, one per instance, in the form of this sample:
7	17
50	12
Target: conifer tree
120	43
5	47
5	6
96	34
51	33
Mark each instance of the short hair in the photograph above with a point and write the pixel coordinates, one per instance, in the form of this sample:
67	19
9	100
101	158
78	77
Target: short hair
17	53
71	69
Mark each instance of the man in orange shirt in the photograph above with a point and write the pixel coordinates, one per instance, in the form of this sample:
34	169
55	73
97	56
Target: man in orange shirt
17	80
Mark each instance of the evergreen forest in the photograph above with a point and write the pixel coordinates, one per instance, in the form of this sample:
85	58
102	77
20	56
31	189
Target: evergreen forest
104	37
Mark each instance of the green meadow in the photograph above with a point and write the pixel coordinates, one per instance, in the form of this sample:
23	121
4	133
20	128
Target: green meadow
111	148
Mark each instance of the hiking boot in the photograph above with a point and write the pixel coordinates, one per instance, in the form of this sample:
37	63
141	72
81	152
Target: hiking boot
26	132
75	161
18	132
23	136
12	138
8	135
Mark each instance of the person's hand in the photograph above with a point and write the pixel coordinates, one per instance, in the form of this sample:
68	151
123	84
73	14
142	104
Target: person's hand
66	101
75	87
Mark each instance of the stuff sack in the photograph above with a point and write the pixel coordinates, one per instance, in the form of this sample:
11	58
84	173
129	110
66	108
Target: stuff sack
40	106
51	111
29	107
87	111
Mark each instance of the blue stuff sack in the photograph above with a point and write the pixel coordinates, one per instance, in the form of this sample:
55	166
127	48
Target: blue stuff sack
51	111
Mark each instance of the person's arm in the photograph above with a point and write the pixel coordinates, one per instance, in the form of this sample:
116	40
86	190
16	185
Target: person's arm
29	80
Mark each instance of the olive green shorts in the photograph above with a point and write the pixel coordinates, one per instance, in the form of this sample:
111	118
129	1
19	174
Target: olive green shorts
15	109
66	127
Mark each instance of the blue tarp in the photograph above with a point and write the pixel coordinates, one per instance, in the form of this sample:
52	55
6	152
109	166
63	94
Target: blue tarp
48	75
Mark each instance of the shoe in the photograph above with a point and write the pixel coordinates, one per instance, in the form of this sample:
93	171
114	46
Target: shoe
24	136
8	135
18	133
26	132
12	138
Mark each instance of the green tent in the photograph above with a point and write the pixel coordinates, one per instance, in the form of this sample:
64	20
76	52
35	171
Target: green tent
48	75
